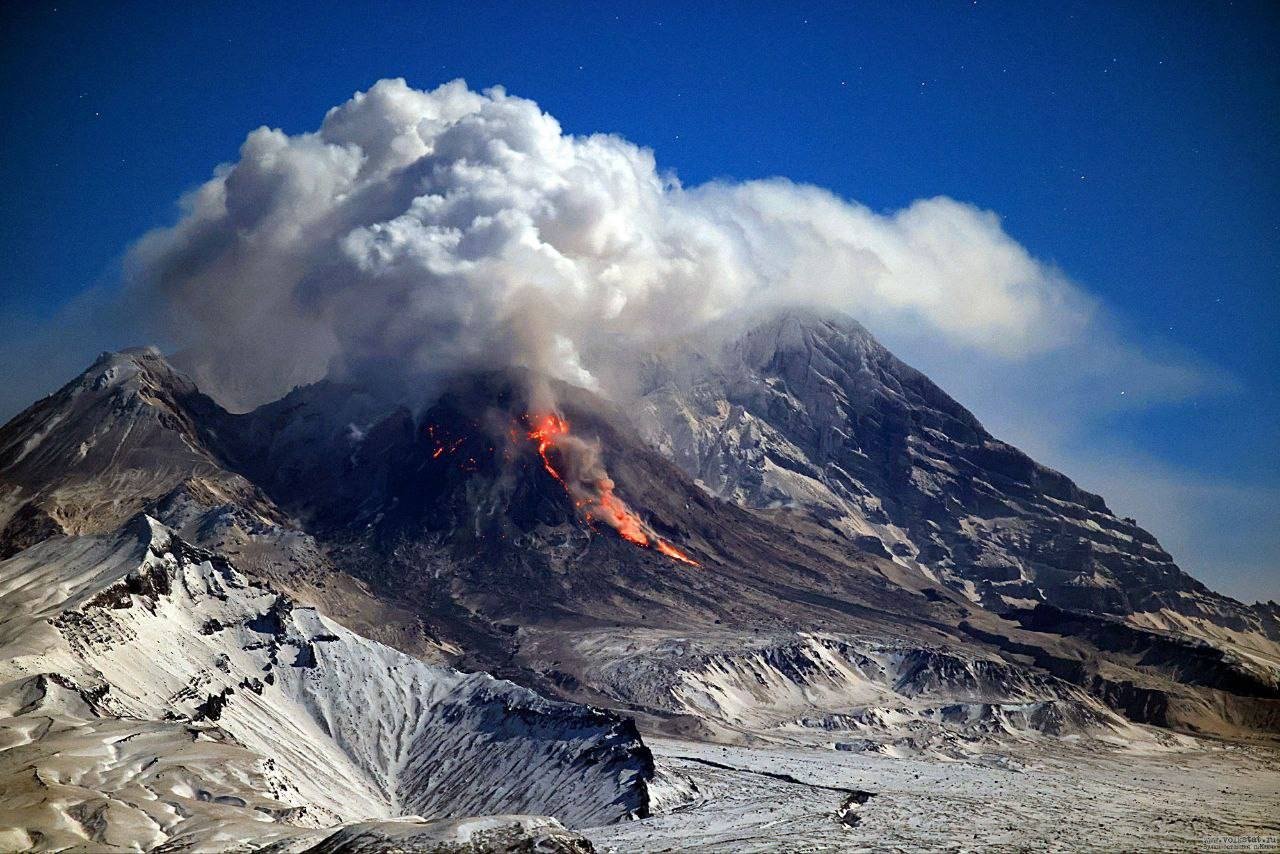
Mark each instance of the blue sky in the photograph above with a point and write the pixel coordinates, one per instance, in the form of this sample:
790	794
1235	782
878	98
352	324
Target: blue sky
1131	145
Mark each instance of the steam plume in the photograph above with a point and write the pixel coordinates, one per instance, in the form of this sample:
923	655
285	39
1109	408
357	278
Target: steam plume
415	234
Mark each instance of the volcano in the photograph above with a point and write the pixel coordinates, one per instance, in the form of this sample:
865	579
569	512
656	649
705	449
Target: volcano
786	534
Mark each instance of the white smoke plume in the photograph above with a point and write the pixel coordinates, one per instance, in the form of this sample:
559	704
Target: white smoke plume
420	233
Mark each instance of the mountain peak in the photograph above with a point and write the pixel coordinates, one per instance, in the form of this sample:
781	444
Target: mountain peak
123	433
116	369
805	409
814	352
142	353
807	317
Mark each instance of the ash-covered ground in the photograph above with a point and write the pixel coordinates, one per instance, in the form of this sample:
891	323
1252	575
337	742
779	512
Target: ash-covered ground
1194	797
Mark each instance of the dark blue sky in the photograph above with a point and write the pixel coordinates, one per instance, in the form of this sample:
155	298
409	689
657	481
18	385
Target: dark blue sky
1134	145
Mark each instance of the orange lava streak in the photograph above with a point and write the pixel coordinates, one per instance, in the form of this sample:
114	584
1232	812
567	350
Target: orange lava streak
674	553
544	432
618	515
443	444
604	503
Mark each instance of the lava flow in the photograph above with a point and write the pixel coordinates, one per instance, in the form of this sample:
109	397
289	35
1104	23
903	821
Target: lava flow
545	432
590	486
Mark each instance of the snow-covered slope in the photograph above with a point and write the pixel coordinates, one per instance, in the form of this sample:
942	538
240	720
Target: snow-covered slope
76	777
866	693
146	641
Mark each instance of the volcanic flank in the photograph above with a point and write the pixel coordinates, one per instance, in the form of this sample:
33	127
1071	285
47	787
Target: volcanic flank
589	485
478	518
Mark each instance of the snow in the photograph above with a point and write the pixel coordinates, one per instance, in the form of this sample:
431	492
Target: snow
868	693
1064	799
148	640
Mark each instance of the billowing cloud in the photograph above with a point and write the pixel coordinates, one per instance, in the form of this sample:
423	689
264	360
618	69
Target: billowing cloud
419	233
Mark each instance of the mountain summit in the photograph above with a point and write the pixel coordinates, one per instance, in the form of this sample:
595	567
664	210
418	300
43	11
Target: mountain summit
809	411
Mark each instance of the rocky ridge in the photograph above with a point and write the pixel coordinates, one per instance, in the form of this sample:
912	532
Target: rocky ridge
809	411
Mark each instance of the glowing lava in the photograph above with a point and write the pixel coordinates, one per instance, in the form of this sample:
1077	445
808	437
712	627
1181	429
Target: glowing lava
616	513
442	443
590	486
545	432
674	553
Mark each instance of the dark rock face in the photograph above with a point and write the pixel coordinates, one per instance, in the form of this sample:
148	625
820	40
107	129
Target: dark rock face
211	708
274	621
28	526
810	411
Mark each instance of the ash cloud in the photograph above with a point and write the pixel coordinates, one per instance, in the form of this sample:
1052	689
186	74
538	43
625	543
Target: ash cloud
415	234
419	233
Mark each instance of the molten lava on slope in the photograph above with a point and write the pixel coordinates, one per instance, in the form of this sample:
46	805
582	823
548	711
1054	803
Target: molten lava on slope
589	485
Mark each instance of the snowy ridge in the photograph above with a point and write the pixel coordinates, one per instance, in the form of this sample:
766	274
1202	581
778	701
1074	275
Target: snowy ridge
142	625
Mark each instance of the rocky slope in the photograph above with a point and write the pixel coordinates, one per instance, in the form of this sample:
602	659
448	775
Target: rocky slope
94	453
858	693
809	411
442	531
806	543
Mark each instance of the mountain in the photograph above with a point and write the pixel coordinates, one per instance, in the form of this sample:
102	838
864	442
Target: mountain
809	411
342	608
91	455
863	501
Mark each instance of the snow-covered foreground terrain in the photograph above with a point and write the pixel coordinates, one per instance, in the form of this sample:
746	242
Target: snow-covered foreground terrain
153	698
808	799
151	695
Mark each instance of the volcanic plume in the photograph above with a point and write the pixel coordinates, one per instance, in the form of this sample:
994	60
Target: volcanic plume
576	464
419	235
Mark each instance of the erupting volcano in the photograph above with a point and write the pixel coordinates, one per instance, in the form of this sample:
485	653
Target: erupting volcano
590	486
